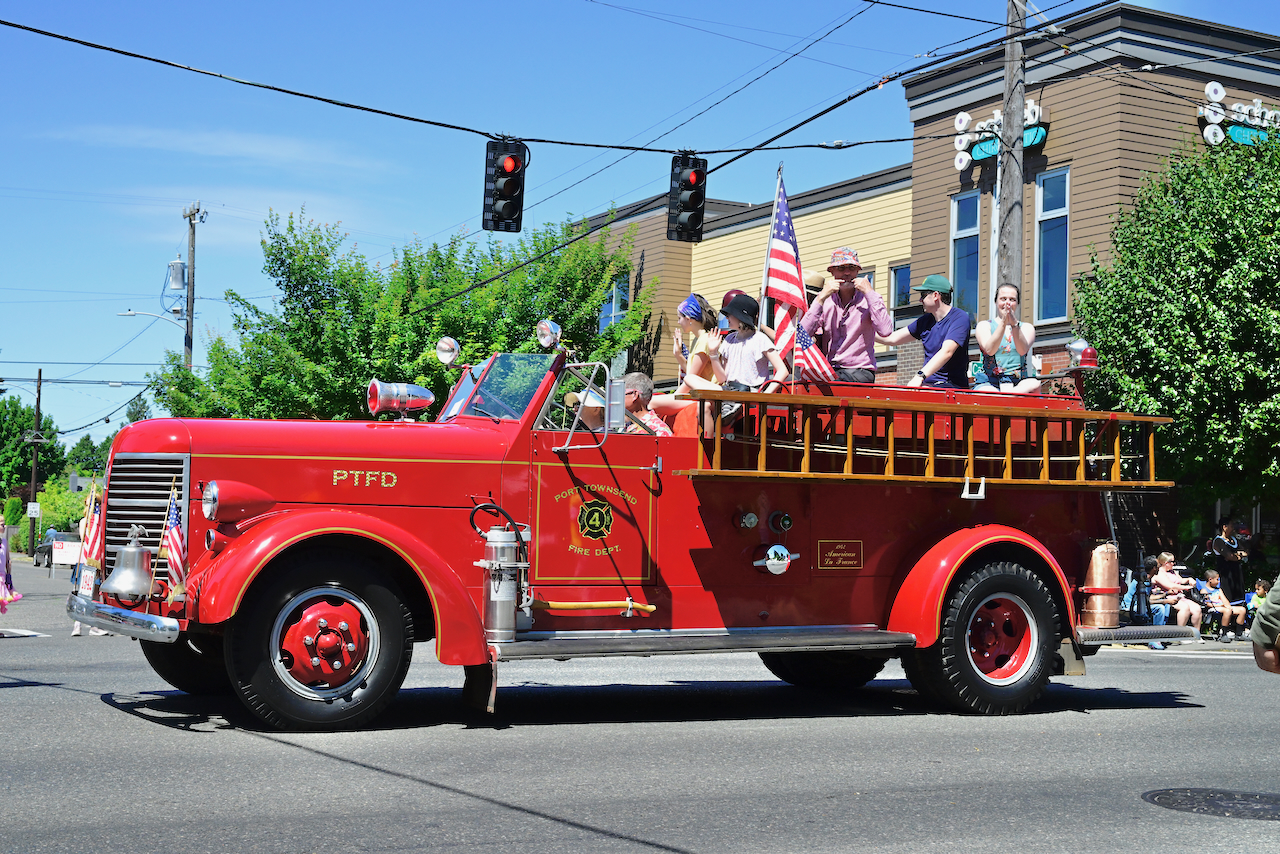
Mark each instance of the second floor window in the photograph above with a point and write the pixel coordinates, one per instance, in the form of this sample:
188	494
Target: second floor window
900	285
964	251
1052	245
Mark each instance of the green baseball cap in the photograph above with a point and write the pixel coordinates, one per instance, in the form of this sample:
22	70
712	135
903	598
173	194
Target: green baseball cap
936	282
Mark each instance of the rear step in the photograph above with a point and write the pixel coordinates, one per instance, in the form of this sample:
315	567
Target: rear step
644	642
1135	634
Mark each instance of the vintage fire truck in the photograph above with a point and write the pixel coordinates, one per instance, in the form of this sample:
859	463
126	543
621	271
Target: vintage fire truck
827	528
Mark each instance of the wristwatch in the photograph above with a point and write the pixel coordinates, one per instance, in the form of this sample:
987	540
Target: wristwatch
920	374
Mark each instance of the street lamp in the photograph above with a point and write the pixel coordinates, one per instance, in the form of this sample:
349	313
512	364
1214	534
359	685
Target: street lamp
132	313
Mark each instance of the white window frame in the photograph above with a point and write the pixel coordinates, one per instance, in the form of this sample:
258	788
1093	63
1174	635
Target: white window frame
1042	217
957	234
893	285
621	287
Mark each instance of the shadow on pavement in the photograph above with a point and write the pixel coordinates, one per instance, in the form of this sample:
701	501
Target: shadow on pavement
543	705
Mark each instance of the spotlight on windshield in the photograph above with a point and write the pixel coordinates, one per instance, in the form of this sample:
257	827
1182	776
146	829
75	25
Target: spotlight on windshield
447	350
548	332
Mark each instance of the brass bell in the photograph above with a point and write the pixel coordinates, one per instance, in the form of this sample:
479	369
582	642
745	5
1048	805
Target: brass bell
133	575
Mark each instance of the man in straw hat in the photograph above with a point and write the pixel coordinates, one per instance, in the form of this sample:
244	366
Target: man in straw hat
849	314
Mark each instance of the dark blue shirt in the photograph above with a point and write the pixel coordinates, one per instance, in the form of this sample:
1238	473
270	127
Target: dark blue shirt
933	334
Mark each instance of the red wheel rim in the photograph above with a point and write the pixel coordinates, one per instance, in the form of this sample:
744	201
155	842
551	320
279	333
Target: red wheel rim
1001	638
324	643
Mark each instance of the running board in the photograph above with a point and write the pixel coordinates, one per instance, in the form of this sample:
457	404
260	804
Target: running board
645	642
1134	634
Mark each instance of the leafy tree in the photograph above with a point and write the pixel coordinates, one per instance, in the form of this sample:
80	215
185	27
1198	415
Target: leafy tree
341	320
1186	318
13	510
17	419
87	456
59	507
137	410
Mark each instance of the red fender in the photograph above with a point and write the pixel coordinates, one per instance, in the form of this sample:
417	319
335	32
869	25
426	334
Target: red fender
227	575
918	606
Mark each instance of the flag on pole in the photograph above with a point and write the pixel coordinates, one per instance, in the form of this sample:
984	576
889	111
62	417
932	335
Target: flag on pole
95	529
782	279
811	363
172	546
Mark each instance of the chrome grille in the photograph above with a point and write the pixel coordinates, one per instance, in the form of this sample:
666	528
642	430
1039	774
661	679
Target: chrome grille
138	488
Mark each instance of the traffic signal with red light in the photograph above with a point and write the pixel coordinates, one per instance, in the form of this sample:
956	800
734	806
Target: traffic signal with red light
687	201
504	166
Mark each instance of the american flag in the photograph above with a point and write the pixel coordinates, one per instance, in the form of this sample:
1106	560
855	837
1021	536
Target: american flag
811	364
95	530
782	277
172	546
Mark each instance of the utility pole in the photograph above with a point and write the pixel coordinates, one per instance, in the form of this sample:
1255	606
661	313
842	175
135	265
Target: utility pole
1012	222
191	214
35	439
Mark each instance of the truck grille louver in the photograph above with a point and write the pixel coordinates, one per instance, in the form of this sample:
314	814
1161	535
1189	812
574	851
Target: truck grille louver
138	494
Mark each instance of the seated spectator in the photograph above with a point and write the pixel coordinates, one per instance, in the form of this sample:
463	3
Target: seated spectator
694	316
589	407
1156	599
639	393
1261	588
848	313
1005	343
746	359
1217	601
944	332
1172	587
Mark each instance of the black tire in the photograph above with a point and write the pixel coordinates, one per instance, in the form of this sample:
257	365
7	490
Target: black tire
194	664
833	670
304	592
995	653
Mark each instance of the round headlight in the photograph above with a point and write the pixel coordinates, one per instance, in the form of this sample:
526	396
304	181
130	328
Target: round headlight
209	501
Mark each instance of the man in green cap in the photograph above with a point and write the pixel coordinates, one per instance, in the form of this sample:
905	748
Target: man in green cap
944	331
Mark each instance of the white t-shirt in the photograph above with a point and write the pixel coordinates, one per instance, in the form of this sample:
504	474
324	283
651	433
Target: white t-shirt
745	360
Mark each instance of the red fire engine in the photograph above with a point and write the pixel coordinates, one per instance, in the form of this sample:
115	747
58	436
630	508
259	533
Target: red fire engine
829	528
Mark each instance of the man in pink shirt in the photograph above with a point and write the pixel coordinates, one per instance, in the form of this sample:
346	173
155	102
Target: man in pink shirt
849	314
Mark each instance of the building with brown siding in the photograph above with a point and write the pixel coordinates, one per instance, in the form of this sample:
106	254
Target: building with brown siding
1121	89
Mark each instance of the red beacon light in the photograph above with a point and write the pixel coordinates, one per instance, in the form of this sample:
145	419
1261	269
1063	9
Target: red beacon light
1089	358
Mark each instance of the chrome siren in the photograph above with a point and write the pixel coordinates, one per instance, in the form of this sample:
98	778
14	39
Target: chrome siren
398	397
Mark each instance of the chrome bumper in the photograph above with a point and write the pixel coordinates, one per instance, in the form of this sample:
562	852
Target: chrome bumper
141	626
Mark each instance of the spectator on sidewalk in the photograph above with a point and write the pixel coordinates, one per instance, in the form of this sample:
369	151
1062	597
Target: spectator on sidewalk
1216	600
1156	603
1174	588
1265	630
7	594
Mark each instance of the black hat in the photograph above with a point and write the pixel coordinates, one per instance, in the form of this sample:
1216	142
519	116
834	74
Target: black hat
744	308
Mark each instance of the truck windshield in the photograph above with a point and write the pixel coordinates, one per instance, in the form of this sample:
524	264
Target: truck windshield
508	382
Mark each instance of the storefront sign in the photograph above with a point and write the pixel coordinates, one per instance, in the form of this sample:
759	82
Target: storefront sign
981	141
1240	122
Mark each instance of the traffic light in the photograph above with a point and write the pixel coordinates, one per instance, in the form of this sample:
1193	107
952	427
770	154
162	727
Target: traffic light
504	165
687	201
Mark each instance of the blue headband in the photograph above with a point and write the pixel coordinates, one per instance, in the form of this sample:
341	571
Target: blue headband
690	308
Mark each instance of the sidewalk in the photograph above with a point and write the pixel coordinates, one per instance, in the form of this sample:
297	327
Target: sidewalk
43	606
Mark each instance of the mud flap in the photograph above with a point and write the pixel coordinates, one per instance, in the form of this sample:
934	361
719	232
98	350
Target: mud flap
1072	663
480	687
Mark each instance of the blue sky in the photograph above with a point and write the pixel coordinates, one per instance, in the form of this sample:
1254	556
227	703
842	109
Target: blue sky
102	152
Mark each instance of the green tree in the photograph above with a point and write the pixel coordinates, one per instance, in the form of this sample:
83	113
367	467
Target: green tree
13	510
341	320
87	456
137	410
59	507
16	420
1186	318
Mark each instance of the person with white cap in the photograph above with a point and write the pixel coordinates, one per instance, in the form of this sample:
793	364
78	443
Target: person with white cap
849	314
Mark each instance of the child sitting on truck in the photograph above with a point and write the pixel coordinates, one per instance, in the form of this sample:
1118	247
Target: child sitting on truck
745	359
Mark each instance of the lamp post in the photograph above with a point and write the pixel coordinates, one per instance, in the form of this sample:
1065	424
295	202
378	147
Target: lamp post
132	313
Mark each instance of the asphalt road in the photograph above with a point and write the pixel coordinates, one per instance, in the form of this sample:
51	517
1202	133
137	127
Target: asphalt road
681	754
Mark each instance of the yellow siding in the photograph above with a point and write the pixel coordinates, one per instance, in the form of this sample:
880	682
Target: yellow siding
877	228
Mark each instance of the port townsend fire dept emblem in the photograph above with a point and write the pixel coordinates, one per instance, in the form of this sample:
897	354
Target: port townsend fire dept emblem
595	518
